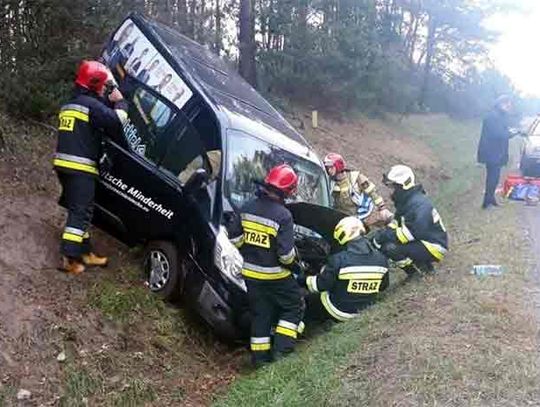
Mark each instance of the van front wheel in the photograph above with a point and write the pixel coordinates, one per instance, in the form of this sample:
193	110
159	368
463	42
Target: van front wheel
163	270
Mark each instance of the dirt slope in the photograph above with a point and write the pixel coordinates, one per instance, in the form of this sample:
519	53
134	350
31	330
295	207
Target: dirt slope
122	346
369	145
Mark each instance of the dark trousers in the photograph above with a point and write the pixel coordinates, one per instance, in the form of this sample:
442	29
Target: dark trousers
415	251
315	311
493	173
273	303
78	192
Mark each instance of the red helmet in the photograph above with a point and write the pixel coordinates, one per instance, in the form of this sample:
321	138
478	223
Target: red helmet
283	178
92	75
335	160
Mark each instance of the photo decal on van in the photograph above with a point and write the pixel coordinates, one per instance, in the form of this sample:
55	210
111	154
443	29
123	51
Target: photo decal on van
130	52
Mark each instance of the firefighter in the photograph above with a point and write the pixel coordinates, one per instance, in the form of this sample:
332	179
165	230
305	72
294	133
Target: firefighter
264	234
418	237
354	194
84	120
351	279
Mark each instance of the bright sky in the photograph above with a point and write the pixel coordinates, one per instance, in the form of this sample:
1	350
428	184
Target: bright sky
517	50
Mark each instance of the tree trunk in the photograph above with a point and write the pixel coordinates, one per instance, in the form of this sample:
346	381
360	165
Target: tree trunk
270	27
302	17
192	19
263	23
247	46
182	16
430	50
217	38
202	21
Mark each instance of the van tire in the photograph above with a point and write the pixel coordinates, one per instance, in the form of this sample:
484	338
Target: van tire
163	259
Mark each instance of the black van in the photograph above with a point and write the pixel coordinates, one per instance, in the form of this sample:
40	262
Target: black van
197	137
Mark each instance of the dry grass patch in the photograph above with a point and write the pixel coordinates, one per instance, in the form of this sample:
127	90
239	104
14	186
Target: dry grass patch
458	339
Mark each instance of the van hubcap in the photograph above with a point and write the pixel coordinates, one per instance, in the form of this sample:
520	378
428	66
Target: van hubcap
159	270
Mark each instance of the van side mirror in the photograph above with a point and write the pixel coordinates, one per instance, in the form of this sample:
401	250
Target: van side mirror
196	181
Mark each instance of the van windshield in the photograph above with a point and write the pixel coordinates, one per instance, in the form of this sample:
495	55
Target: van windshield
249	159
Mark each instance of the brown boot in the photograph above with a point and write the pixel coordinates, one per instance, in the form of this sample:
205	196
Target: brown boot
72	266
91	259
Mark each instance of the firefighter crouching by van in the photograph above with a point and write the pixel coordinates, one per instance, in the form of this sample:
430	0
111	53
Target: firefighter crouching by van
351	279
354	194
417	238
264	234
84	120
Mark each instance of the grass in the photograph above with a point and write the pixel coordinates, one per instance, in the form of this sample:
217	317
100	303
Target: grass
7	394
152	333
135	393
158	355
454	142
84	387
124	305
461	340
452	339
79	386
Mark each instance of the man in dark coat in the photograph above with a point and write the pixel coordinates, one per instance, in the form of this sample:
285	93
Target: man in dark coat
493	146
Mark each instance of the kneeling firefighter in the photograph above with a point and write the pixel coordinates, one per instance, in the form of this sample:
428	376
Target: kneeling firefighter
84	120
417	238
264	234
351	278
354	194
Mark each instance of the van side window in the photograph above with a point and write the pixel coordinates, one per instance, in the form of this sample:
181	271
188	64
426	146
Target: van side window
149	118
185	154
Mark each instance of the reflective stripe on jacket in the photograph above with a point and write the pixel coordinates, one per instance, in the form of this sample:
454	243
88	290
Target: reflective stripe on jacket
417	220
264	234
82	123
351	279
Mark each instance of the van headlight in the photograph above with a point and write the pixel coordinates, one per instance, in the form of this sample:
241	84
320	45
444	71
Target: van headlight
228	259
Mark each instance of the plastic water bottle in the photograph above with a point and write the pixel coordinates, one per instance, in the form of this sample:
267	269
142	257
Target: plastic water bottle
487	270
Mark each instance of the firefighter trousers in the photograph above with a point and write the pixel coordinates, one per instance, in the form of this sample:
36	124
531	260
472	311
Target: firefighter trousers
316	313
78	192
408	254
273	303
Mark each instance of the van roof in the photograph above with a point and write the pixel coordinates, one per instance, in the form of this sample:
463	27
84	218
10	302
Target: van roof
221	85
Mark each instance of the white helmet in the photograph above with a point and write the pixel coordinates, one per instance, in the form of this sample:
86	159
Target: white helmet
400	175
348	229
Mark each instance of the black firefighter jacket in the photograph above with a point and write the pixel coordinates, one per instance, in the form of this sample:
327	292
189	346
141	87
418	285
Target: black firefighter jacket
264	234
351	279
82	123
416	220
493	145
